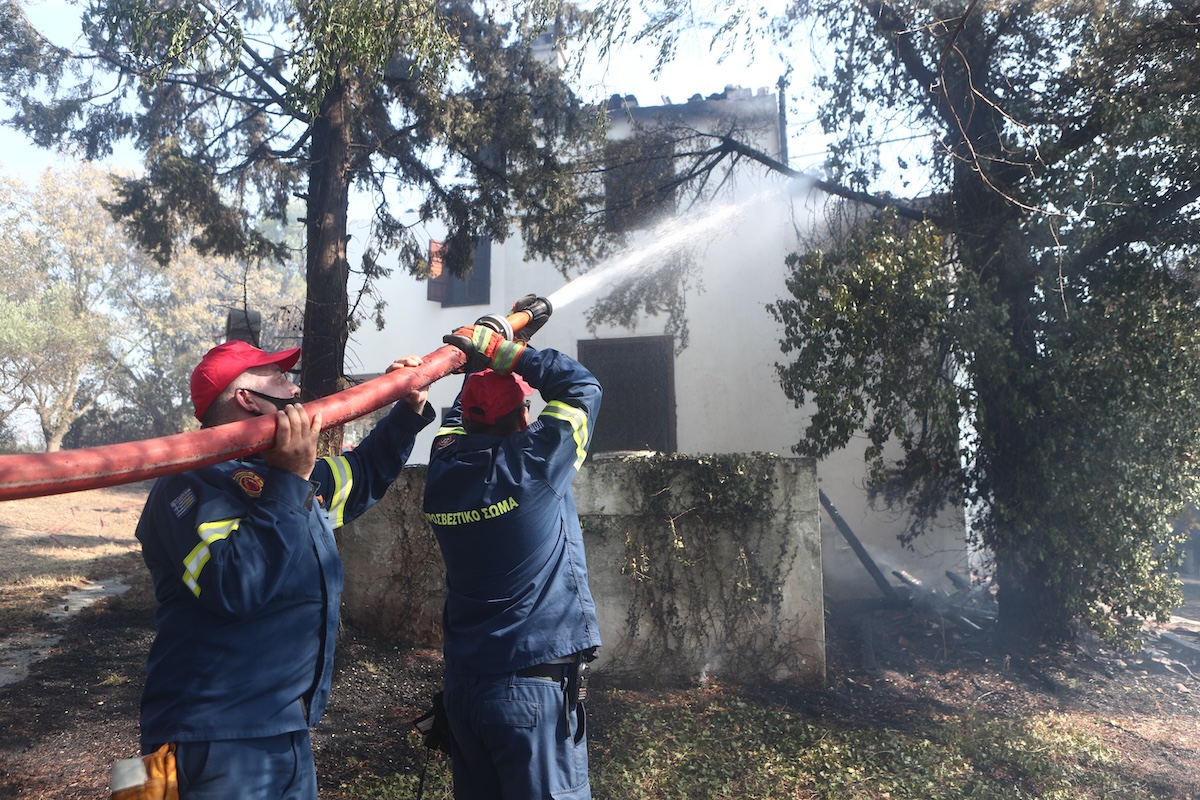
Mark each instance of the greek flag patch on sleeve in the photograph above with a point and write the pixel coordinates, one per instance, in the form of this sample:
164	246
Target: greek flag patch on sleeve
185	500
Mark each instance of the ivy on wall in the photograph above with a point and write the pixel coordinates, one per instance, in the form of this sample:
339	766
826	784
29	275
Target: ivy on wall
704	563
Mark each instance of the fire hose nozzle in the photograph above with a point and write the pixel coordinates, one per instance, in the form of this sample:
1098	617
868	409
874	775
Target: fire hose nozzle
500	324
539	309
530	313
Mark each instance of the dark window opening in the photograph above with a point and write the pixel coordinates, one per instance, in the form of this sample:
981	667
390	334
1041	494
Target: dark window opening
638	378
450	290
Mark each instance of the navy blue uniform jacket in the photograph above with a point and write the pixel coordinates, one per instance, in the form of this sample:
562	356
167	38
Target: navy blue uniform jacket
248	580
502	510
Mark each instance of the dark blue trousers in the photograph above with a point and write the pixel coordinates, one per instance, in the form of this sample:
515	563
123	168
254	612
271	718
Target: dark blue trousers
512	740
273	768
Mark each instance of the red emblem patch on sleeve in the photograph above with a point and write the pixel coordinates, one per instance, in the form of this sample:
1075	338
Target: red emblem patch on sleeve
250	482
443	441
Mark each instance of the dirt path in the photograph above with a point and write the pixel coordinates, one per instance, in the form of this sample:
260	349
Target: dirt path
59	555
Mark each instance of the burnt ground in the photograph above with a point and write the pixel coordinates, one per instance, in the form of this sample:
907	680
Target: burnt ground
76	712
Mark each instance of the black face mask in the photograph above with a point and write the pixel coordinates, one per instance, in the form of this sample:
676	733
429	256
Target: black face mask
280	403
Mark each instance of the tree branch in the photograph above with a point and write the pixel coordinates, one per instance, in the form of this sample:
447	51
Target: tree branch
731	145
1129	229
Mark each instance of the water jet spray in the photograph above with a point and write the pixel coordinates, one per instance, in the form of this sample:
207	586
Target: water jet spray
669	237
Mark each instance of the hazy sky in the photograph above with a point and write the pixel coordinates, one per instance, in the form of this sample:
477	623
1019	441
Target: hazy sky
694	70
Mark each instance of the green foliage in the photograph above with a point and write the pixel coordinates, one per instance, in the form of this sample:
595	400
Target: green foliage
176	191
874	336
242	108
62	271
97	340
1043	297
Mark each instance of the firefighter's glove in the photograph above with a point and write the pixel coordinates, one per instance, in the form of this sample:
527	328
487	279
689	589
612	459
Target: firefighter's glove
151	777
434	726
485	348
538	309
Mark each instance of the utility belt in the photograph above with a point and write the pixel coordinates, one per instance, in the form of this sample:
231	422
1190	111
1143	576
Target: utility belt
570	672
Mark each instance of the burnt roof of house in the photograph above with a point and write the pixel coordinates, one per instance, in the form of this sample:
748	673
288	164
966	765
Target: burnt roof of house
732	100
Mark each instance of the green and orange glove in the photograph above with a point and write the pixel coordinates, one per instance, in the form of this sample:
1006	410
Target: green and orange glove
485	348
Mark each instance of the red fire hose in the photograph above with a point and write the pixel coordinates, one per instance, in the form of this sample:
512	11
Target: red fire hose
40	474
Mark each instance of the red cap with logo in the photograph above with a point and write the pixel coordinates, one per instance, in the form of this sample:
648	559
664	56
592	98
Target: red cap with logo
487	396
225	362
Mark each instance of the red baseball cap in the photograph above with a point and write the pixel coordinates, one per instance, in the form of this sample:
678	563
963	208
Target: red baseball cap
225	362
488	395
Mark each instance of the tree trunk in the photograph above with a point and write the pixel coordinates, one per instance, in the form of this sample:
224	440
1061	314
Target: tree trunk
51	418
326	307
991	242
1030	611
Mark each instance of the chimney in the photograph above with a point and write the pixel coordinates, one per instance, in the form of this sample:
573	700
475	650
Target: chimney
548	50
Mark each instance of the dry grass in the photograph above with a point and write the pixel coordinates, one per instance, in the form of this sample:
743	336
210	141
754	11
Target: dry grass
51	545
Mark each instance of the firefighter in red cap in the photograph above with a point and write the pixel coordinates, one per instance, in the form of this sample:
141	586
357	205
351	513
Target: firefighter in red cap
248	580
519	624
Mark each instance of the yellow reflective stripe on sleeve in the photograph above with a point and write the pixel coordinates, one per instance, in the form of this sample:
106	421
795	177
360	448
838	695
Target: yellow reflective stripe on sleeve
209	532
457	430
506	356
578	421
343	481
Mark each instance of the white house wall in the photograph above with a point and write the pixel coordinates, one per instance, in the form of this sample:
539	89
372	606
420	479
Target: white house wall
727	394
